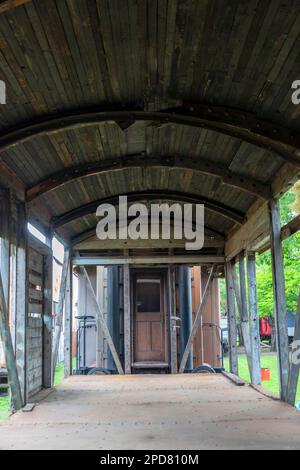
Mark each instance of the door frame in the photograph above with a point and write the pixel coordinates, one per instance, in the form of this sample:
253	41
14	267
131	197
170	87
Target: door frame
150	272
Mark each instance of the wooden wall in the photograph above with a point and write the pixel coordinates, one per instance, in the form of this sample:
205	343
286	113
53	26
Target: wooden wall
35	322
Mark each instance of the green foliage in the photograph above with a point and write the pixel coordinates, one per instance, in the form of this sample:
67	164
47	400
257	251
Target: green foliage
291	248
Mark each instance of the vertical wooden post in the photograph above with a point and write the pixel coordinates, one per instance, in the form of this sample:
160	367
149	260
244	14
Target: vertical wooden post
172	318
68	323
13	378
185	311
254	321
279	297
48	314
21	298
241	300
17	394
232	323
244	306
5	241
59	316
127	320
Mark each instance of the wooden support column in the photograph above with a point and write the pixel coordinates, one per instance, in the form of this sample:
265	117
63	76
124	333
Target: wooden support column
103	324
5	331
254	321
241	300
60	310
11	366
127	319
172	318
21	302
48	315
232	323
294	363
5	241
279	297
68	323
197	321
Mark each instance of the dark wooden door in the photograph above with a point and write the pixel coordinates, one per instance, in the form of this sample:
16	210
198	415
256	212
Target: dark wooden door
149	306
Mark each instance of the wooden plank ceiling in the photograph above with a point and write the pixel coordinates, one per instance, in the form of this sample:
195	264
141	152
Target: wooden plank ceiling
70	57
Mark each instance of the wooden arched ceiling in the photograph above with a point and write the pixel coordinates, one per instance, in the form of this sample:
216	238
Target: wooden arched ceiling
195	90
211	205
248	185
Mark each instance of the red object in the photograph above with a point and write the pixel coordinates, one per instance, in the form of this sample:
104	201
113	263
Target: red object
265	329
266	375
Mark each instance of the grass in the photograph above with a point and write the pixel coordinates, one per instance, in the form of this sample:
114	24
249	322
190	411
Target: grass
5	401
268	361
4	408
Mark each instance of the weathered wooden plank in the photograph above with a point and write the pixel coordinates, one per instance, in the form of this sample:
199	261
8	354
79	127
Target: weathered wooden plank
16	393
127	320
60	309
232	323
47	315
68	324
103	324
35	308
197	321
254	321
241	300
172	316
279	297
21	296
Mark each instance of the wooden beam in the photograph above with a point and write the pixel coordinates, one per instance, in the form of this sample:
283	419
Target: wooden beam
294	369
279	297
60	310
241	182
68	324
232	322
172	318
127	320
213	238
11	366
211	205
254	321
236	123
197	321
143	260
103	324
7	5
291	228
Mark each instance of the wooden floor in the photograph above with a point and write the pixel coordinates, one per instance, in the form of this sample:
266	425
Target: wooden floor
153	412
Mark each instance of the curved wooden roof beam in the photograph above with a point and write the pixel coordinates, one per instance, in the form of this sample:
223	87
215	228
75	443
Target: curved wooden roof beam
86	235
7	5
57	180
233	122
211	205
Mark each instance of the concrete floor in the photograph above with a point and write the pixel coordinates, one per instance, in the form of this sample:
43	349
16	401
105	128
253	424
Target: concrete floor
153	412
